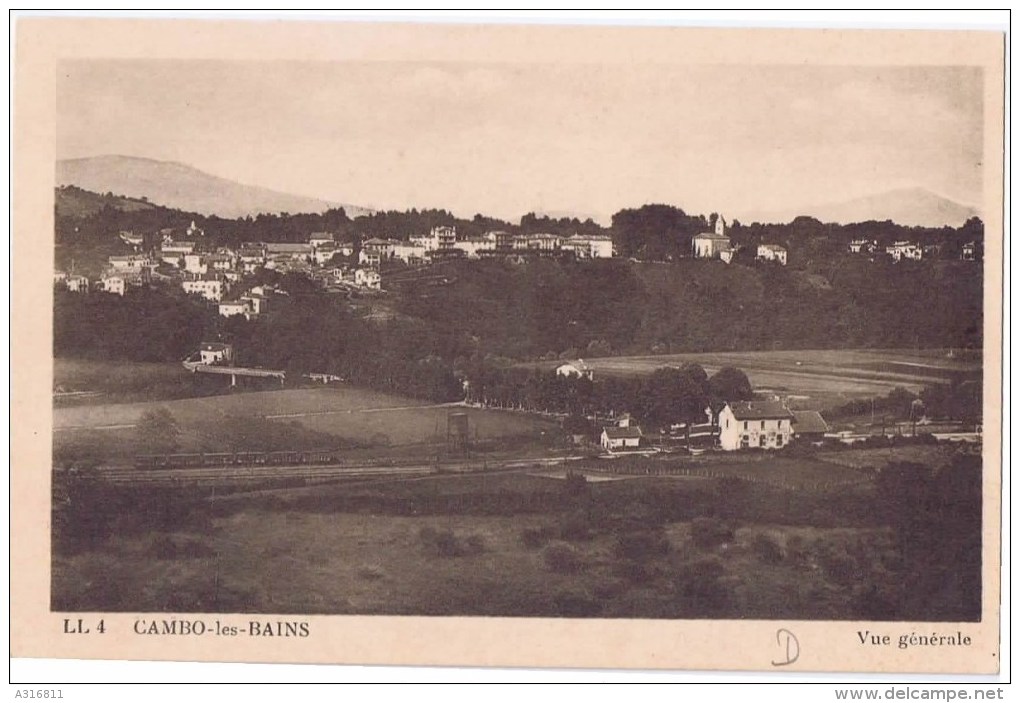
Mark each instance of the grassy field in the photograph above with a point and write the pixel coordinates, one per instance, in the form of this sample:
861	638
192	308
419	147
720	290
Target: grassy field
350	415
815	378
522	543
291	562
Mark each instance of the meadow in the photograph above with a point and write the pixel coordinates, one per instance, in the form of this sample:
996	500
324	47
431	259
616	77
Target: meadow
304	418
818	379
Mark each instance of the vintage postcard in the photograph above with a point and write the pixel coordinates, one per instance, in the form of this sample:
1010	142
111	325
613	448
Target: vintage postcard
507	345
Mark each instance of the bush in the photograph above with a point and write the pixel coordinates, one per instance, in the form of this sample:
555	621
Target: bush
562	558
641	546
576	526
840	568
444	543
533	537
635	571
768	549
710	532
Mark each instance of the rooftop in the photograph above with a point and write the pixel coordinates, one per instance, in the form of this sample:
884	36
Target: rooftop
759	410
622	432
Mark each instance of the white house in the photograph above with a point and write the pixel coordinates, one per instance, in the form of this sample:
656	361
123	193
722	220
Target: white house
113	284
576	369
324	252
755	424
473	246
408	252
209	287
369	258
544	242
72	282
595	246
772	252
904	250
130	263
368	278
318	239
230	308
215	353
621	438
195	263
859	246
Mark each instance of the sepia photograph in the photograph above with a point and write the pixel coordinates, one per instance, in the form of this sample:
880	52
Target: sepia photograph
675	338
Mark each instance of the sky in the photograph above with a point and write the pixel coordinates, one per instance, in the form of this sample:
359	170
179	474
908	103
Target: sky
505	139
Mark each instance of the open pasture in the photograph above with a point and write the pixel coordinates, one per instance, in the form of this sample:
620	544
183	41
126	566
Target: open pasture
815	378
348	413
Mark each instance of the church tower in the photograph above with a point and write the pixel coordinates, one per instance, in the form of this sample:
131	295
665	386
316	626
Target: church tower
720	226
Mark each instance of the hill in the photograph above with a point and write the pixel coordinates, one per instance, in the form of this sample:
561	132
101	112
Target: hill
179	186
911	207
75	202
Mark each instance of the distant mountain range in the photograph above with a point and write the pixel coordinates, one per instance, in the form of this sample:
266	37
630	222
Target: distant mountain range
182	187
904	206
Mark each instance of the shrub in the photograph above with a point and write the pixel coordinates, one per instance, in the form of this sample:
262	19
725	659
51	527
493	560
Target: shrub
533	537
641	546
768	549
635	571
562	558
710	532
576	526
372	572
840	568
444	543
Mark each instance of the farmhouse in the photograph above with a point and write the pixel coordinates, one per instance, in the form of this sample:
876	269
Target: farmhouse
575	369
215	353
755	424
809	425
621	438
772	252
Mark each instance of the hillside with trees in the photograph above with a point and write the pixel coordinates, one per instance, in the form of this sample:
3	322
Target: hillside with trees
653	299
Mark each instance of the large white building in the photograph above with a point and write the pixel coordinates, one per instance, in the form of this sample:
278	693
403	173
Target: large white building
713	245
209	287
753	424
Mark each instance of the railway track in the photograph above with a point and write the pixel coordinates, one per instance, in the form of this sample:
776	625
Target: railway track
127	475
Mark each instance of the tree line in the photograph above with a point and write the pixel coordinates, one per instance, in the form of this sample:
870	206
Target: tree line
666	396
